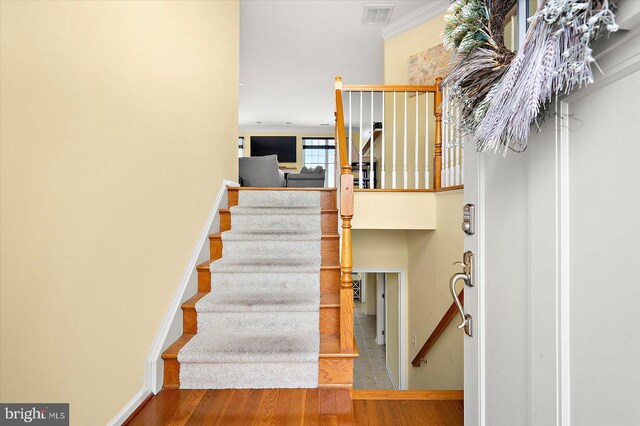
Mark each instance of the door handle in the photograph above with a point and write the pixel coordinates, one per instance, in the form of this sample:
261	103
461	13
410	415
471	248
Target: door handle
467	319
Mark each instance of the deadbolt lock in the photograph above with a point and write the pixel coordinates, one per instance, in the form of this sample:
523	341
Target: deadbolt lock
469	219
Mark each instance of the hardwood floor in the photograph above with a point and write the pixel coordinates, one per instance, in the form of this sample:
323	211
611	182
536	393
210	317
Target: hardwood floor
245	407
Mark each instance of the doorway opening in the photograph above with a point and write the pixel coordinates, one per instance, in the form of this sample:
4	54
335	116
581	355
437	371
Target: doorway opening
377	330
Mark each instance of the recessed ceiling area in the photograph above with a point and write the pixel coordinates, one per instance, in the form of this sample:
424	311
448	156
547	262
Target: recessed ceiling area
290	52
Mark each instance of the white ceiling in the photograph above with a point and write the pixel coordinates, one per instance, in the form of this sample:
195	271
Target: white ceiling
290	52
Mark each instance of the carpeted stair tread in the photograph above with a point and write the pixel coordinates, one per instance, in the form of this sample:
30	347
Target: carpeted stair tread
273	210
264	198
270	235
259	300
260	324
266	264
265	280
239	347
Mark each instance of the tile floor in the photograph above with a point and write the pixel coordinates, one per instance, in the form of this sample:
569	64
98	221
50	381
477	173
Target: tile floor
369	370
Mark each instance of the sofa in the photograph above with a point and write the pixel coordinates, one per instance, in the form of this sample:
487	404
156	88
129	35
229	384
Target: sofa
261	172
307	178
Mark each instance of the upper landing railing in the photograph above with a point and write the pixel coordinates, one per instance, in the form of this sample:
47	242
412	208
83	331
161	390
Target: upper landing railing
399	137
389	132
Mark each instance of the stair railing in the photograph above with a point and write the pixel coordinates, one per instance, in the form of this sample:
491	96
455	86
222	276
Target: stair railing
446	319
346	214
394	120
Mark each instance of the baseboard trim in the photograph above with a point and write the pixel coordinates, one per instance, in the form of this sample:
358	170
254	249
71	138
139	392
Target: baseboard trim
426	395
132	408
393	382
153	367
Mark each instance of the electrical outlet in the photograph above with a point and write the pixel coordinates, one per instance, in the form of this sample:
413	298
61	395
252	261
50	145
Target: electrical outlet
414	339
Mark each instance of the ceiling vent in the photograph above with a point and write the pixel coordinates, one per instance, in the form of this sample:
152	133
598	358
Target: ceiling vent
377	14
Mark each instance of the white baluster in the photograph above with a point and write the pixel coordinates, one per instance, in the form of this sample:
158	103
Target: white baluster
426	140
451	168
462	164
457	149
404	166
416	173
393	164
384	130
445	141
371	174
360	145
350	130
514	28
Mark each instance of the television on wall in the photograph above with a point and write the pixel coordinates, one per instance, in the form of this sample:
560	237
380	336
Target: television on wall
283	146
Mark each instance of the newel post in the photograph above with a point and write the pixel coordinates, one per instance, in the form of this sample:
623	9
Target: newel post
437	157
346	263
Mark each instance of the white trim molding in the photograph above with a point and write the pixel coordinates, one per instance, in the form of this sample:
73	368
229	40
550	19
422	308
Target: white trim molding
171	326
131	406
427	12
310	130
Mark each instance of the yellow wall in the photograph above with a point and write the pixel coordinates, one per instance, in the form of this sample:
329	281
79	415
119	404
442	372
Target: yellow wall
118	123
378	249
394	210
299	155
370	299
398	49
427	258
430	258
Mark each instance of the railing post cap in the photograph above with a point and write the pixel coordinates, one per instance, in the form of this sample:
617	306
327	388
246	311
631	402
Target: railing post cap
338	83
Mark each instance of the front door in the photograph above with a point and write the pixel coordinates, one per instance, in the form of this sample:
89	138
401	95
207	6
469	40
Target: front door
554	301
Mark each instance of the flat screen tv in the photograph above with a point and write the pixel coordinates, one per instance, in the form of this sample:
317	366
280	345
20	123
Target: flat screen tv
283	146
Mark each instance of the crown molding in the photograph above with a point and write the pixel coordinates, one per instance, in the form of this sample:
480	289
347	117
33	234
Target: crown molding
311	130
432	9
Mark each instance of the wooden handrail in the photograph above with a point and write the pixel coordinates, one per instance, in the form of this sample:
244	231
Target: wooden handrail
437	332
388	88
346	214
341	140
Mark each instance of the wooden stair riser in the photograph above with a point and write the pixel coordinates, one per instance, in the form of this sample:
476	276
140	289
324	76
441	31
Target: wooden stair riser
330	320
329	248
170	362
171	374
329	221
329	280
332	372
189	320
327	196
335	372
204	278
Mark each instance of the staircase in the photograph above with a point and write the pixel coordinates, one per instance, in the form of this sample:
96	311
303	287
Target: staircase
267	311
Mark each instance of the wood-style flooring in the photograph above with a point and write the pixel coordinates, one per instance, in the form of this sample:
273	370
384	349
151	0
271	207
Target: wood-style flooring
244	407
